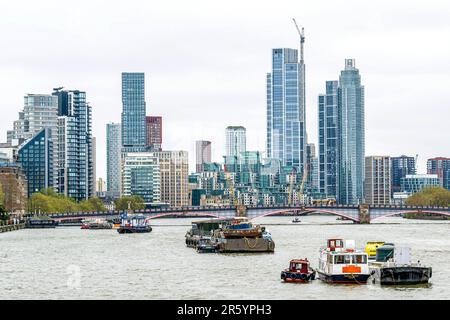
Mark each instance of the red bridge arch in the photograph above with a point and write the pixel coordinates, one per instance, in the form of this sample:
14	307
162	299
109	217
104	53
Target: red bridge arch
412	212
349	217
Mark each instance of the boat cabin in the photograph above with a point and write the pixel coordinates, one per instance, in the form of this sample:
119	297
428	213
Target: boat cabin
134	221
333	244
299	265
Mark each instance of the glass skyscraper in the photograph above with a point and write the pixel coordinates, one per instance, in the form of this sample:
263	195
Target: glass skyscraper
133	112
113	154
286	132
36	159
75	153
328	140
351	135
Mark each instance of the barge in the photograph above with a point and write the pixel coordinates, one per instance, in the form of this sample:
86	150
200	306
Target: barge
393	266
230	235
96	224
40	222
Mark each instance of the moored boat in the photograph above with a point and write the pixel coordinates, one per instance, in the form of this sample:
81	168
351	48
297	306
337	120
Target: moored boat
393	266
240	235
96	224
296	220
340	262
40	222
134	224
299	271
206	245
231	235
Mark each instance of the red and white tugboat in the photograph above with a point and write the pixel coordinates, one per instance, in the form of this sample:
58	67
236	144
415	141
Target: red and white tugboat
299	271
340	262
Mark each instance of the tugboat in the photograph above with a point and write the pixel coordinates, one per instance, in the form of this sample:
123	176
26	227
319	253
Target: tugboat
298	271
371	248
134	224
393	267
340	262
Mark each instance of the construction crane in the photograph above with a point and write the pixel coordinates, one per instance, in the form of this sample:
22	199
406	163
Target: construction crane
301	33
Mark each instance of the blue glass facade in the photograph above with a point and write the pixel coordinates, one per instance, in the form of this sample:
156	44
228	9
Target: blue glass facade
351	135
36	159
400	167
75	153
328	139
133	112
286	131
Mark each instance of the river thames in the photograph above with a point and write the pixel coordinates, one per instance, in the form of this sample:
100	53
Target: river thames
70	263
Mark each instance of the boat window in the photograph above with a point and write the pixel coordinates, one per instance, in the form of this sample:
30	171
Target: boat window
360	259
339	259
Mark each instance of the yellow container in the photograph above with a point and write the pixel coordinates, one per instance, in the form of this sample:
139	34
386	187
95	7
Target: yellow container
371	248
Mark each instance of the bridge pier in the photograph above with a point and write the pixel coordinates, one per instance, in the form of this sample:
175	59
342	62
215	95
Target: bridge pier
364	213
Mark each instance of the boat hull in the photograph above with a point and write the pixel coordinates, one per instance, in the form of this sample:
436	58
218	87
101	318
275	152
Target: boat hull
246	245
134	230
296	277
344	278
407	275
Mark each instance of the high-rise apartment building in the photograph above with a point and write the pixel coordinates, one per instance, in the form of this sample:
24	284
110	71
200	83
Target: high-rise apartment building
202	154
133	112
235	140
154	133
351	135
113	159
174	171
40	112
328	140
286	131
441	167
75	177
377	183
141	176
36	159
400	167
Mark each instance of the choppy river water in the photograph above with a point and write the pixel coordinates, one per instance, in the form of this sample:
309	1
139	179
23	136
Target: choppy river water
70	263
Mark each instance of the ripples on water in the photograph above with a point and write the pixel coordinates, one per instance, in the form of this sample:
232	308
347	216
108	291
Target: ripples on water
44	264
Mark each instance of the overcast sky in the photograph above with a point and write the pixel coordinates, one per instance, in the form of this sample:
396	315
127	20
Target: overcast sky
205	64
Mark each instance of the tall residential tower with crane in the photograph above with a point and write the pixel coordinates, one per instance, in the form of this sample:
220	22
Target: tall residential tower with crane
286	125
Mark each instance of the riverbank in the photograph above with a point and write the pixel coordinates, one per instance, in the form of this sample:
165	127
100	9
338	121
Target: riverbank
426	217
12	227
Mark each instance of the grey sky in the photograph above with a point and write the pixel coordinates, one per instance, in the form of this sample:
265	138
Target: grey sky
205	64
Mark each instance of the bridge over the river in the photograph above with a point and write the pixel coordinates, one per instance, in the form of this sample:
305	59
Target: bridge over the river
357	214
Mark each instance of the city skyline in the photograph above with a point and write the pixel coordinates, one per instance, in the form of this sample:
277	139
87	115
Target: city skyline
238	98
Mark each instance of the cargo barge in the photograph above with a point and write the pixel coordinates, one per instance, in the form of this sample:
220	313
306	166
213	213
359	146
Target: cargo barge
393	267
230	235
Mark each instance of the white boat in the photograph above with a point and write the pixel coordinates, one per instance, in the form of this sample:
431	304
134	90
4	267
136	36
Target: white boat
340	262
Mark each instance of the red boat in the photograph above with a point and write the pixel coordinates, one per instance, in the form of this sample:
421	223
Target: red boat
299	271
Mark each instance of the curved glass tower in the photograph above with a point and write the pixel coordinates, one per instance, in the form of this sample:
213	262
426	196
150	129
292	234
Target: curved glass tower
351	135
